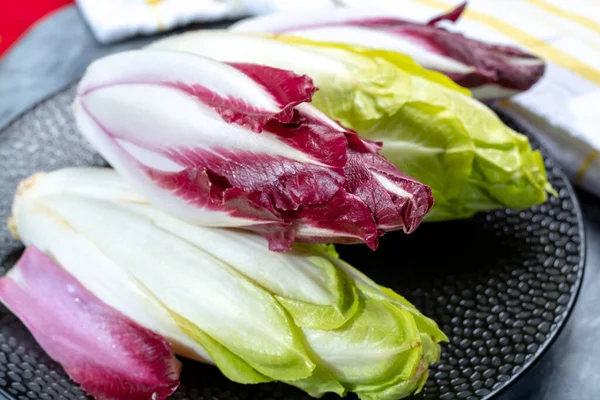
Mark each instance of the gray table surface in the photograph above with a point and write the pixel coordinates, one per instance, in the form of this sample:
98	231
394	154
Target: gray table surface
58	50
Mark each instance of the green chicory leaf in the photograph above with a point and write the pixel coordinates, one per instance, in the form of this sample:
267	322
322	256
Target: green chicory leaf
438	134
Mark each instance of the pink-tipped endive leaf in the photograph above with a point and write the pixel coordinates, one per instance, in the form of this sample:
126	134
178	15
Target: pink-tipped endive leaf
490	71
231	145
452	15
394	198
111	357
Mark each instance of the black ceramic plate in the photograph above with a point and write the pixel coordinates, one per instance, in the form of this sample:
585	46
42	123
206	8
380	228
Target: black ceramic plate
501	285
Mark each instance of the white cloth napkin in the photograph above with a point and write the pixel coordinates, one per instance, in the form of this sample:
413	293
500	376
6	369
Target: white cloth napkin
113	20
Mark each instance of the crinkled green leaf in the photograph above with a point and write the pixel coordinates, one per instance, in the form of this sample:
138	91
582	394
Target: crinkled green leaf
443	157
310	315
432	130
370	289
364	352
375	90
400	60
232	366
320	383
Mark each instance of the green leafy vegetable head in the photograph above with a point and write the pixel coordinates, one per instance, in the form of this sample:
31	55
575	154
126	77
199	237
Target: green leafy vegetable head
303	317
433	130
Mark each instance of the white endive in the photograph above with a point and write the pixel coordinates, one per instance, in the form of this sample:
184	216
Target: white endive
237	146
221	295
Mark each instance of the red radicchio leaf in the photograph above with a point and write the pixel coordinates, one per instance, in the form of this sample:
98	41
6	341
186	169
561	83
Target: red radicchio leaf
241	150
110	356
395	200
288	90
491	63
268	181
270	187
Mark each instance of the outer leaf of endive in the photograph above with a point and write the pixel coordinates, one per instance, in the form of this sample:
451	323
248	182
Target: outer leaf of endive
276	166
365	344
109	355
363	356
319	383
429	352
232	366
426	326
35	224
405	373
93	211
252	325
311	288
369	289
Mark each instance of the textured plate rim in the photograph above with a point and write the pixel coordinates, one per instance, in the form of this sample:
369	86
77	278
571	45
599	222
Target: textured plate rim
580	274
527	366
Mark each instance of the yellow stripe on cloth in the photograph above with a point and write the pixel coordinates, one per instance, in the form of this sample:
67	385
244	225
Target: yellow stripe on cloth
585	165
154	4
566	14
533	44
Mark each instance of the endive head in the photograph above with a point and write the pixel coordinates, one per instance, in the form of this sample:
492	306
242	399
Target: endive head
236	145
108	354
491	71
304	317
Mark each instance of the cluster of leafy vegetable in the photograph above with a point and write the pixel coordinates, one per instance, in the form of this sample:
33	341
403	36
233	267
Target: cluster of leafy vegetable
231	143
435	132
304	317
430	127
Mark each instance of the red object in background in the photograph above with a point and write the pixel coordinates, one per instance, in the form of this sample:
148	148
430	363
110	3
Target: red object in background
16	17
